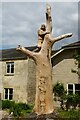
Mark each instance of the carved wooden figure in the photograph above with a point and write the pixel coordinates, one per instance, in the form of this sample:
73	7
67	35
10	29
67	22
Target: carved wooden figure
44	89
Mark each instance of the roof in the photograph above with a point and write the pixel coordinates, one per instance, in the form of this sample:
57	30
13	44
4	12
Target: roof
13	54
75	44
70	46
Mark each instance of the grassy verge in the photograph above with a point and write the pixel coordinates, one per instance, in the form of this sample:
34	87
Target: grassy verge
72	114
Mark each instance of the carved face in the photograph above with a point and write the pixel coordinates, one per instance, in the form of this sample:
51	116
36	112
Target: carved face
43	27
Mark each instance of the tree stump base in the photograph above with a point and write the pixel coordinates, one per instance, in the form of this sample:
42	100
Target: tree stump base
51	116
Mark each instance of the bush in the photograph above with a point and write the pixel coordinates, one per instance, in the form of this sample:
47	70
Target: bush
6	104
18	109
25	106
72	100
58	89
68	102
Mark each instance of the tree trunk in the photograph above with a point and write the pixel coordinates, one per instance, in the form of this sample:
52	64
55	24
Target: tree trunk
43	99
44	89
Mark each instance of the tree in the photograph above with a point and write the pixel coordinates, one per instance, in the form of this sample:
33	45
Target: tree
44	88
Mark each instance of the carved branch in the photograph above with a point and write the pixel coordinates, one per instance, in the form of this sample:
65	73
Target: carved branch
27	52
48	19
61	37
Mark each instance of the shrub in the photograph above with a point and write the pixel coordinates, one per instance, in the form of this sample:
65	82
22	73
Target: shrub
25	106
18	109
6	104
70	101
58	89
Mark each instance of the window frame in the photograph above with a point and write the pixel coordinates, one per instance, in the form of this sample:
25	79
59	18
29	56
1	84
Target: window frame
8	93
77	90
68	89
74	88
10	69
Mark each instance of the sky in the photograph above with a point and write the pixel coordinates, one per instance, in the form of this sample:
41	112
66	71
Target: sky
21	21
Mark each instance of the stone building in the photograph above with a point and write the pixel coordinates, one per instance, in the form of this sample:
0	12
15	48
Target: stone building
18	73
17	76
64	68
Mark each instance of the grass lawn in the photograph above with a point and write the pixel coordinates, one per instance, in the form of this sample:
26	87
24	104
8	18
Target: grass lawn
72	114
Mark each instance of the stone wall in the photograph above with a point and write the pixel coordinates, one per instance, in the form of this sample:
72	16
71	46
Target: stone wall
62	65
31	83
17	81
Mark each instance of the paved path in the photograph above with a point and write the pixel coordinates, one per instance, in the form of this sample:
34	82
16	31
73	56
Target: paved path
0	114
3	114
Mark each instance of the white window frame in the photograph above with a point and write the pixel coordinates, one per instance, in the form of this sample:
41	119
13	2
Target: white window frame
76	90
10	67
73	87
8	93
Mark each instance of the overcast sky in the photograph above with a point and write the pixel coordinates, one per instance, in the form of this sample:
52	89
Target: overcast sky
21	20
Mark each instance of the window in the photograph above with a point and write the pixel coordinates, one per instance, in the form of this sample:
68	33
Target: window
73	89
77	89
10	67
70	89
8	93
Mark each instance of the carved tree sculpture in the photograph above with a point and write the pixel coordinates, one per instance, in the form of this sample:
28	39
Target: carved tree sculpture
44	94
